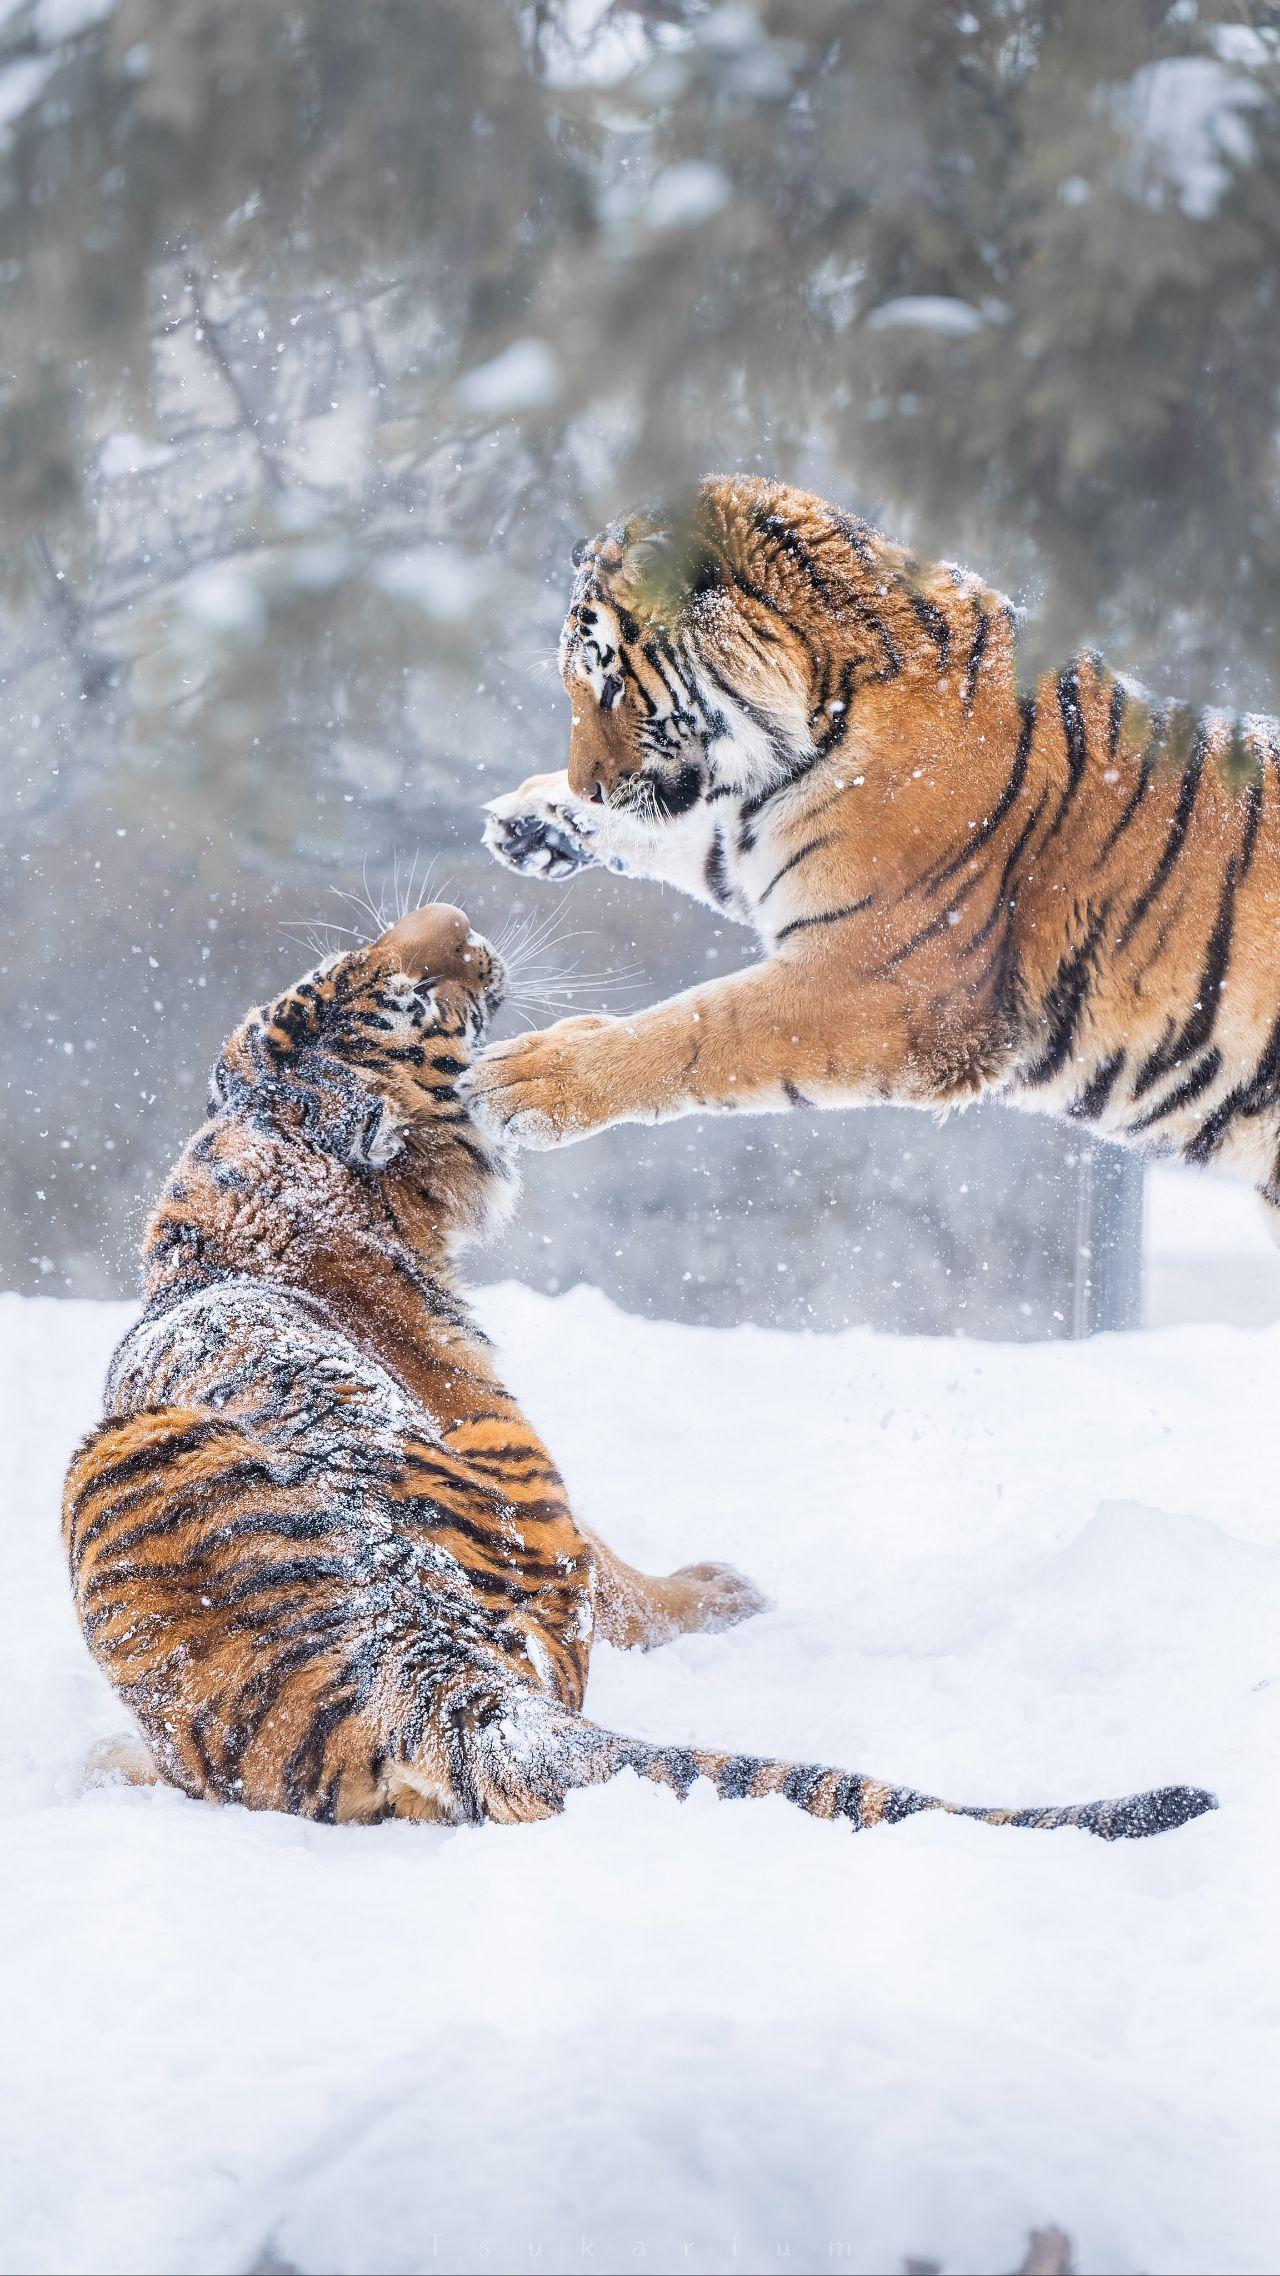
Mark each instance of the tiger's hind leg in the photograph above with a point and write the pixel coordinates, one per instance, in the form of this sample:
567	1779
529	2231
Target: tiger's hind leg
638	1611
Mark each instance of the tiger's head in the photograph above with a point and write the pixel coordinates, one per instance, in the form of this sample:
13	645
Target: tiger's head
720	646
361	1058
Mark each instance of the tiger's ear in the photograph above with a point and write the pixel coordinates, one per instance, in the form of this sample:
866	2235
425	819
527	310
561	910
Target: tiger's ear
220	1087
669	568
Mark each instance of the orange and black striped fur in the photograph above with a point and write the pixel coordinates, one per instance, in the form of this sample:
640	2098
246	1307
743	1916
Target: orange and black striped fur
1067	898
314	1543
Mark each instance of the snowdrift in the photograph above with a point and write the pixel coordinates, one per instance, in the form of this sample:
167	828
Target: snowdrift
717	2036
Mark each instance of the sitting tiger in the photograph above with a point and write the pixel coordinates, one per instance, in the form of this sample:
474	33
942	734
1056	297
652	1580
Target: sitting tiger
1065	898
314	1543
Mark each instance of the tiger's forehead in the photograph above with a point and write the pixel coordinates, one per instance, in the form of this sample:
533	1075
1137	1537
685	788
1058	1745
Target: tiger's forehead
596	617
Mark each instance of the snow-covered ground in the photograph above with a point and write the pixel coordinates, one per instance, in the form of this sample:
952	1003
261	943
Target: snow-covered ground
709	2037
1210	1253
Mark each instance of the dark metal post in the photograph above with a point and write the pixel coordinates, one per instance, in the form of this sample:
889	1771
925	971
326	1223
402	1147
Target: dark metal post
1107	1290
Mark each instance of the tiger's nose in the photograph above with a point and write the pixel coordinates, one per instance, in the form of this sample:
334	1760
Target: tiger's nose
594	779
428	940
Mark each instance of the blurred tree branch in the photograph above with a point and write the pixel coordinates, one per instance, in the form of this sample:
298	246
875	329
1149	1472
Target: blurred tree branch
293	287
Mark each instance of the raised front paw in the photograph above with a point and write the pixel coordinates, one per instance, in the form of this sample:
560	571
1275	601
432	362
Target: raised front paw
547	1088
540	829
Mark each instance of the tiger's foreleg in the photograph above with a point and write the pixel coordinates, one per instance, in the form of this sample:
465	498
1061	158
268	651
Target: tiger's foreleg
637	1611
782	1035
545	829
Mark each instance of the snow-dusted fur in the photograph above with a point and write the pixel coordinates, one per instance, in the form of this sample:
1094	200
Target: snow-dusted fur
314	1543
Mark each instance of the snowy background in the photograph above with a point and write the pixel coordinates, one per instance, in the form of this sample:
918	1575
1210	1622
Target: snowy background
715	2032
328	330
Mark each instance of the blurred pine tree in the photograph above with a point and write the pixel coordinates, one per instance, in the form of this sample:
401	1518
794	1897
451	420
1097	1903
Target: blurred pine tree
327	327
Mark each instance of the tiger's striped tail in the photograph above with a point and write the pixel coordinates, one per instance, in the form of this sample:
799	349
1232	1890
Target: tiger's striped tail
537	1753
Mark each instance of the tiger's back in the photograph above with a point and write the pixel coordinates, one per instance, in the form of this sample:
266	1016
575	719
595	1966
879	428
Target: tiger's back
282	1561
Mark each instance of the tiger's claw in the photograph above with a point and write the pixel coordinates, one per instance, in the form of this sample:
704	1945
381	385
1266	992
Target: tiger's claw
539	830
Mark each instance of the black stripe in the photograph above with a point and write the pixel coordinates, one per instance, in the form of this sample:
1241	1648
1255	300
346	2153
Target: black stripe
715	874
1115	720
1254	796
1136	797
926	933
1097	1090
1012	790
1197	1081
653	658
976	654
1174	842
1261	1091
304	1766
1077	742
735	1779
857	536
1000	906
796	770
930	617
811	846
1179	1043
1064	1003
262	1692
792	544
170	1511
827	917
837	720
773	735
158	1453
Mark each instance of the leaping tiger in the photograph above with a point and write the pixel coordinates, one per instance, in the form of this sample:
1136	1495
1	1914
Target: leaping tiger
1068	898
314	1544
